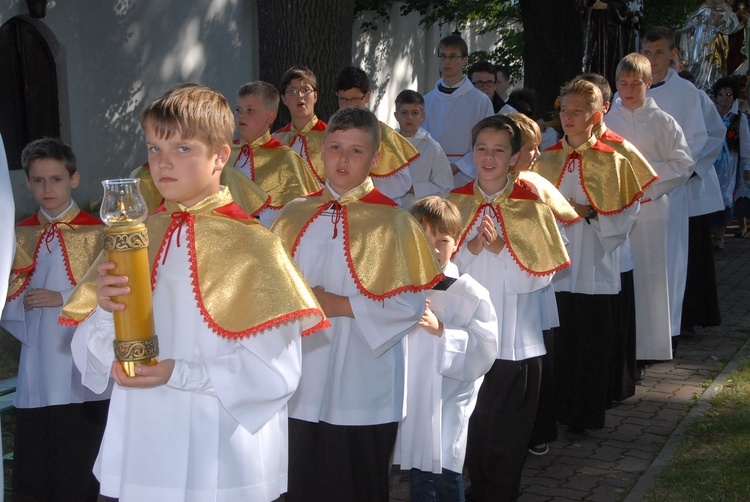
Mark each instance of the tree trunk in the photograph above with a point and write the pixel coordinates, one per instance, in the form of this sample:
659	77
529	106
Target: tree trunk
553	46
313	33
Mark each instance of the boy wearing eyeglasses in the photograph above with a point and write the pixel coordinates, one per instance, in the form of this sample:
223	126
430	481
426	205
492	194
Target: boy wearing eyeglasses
483	75
453	107
391	175
266	160
304	134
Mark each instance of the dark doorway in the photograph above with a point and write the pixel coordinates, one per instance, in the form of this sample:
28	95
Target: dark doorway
28	88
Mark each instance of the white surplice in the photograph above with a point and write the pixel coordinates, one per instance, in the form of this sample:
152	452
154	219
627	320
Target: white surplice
354	371
660	139
217	431
430	172
444	376
518	297
449	119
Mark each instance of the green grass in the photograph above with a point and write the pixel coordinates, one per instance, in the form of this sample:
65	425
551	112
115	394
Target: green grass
713	463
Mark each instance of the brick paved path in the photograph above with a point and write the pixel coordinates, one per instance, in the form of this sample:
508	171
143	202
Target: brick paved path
606	465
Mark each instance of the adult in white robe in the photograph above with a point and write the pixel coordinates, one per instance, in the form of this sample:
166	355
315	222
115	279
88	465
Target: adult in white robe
7	236
190	438
430	172
659	137
449	119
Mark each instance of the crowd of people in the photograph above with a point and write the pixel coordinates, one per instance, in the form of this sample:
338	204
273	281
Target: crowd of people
332	299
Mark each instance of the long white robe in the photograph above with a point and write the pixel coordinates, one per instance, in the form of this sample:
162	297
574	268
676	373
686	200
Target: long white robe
518	297
430	172
449	119
444	376
354	371
7	236
704	193
46	374
217	431
593	245
660	139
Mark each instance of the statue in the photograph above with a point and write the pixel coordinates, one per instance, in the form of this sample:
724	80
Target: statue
704	41
605	36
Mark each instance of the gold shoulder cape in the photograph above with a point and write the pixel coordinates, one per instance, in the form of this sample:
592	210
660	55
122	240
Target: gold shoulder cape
247	194
607	177
243	279
276	169
80	238
527	223
311	137
644	173
386	249
396	153
551	196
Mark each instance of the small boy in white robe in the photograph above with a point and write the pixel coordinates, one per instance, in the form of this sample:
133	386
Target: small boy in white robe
450	350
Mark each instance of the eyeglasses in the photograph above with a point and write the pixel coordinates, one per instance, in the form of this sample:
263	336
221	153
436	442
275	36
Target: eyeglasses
292	91
350	101
484	83
726	94
452	57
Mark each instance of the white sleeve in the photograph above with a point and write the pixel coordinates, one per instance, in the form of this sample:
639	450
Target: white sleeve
384	323
441	176
674	170
14	321
744	144
92	349
716	134
469	343
267	216
395	185
614	229
255	381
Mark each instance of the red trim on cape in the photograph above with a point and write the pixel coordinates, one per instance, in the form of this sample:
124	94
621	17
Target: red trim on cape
319	126
467	189
31	221
232	210
402	167
286	128
375	196
273	143
521	190
315	194
601	147
610	135
556	146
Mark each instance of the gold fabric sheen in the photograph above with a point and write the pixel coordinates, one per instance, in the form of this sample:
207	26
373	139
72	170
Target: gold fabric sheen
79	243
550	195
396	153
386	249
243	279
246	193
644	173
606	176
312	138
527	223
277	170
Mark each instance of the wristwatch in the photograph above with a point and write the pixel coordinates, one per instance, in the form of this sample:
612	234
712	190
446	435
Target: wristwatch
592	212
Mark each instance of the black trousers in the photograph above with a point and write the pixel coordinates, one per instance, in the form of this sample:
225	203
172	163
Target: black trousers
700	307
545	423
339	463
583	351
54	452
622	377
500	428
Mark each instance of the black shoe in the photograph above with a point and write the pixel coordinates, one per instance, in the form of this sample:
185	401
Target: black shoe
539	450
574	433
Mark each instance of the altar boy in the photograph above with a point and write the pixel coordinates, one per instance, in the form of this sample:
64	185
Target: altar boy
370	265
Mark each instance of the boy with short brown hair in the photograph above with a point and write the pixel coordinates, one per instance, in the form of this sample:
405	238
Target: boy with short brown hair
266	160
603	189
370	265
57	416
191	426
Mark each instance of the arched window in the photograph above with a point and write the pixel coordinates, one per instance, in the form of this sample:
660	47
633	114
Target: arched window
28	88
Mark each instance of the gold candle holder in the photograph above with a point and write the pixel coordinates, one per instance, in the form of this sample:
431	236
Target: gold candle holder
126	241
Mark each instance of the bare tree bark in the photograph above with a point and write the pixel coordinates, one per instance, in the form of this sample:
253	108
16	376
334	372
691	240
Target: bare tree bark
553	46
314	33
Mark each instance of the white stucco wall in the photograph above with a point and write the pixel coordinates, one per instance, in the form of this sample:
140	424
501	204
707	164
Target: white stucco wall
114	56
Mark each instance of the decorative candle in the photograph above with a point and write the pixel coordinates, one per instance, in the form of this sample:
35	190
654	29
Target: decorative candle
126	241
